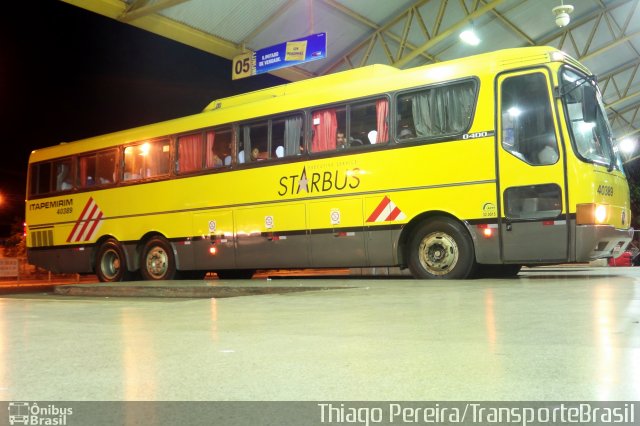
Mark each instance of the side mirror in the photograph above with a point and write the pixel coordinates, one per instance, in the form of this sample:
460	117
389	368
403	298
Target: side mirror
589	103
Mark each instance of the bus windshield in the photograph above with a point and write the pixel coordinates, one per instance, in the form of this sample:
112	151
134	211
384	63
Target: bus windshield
591	136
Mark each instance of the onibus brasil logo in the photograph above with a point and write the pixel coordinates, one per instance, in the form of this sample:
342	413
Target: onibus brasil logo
30	413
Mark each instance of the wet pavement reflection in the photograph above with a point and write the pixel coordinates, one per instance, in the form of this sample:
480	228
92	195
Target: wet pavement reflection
550	334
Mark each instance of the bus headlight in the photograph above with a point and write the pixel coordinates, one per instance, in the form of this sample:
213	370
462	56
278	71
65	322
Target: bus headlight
591	214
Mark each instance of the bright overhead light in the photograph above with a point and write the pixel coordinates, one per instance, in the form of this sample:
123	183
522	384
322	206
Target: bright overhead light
470	37
627	145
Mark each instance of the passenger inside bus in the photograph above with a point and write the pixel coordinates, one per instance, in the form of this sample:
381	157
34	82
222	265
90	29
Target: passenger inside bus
216	145
341	140
63	180
255	154
227	158
405	131
217	161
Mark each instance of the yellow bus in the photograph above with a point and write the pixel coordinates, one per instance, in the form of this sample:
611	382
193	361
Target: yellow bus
485	163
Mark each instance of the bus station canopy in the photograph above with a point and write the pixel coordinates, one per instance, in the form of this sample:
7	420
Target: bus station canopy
602	34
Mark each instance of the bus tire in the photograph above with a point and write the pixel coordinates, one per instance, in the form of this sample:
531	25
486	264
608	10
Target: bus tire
111	263
441	248
236	274
157	261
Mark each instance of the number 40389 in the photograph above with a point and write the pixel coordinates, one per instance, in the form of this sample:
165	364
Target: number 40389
605	190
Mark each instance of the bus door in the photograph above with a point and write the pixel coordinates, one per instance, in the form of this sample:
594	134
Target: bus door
531	184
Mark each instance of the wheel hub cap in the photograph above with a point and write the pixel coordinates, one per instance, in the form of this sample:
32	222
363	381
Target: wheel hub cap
438	253
110	264
157	261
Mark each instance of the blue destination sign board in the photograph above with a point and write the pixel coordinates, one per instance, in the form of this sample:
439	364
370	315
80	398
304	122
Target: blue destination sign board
281	55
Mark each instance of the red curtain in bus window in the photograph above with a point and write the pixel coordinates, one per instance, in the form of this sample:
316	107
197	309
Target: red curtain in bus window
84	167
87	166
190	153
325	126
382	122
209	153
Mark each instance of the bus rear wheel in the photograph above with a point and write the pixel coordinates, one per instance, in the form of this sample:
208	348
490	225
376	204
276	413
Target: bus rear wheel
111	263
158	261
441	249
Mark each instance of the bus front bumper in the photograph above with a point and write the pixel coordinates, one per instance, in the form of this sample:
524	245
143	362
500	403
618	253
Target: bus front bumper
600	241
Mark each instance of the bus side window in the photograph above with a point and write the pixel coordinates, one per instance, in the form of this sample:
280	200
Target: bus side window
435	112
533	202
254	144
404	127
148	159
40	178
326	125
64	177
219	146
190	153
527	123
87	170
286	137
106	167
369	123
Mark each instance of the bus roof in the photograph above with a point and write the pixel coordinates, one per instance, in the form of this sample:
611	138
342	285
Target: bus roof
351	84
368	72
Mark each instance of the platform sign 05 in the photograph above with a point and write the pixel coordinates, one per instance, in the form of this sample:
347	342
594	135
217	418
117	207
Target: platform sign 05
244	66
294	52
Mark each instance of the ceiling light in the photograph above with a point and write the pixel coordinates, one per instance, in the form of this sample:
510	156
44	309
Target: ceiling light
562	14
627	145
470	37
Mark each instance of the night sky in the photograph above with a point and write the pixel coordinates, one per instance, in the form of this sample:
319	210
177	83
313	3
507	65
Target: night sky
67	73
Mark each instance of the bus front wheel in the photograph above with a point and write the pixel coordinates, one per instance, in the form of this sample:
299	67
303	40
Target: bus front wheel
111	264
158	261
441	249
